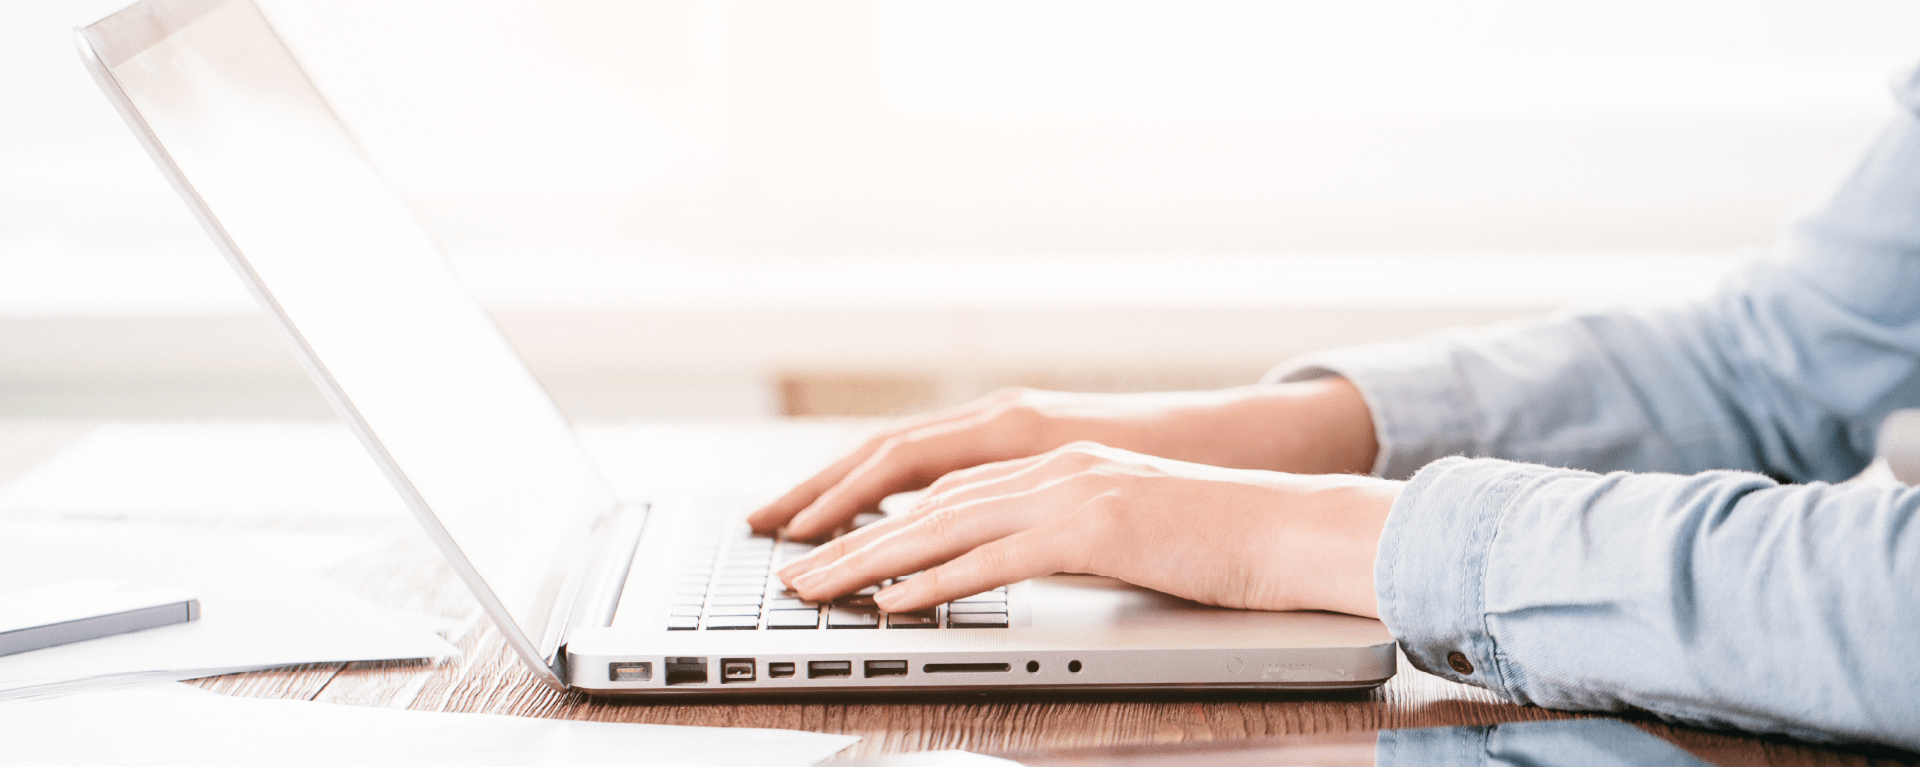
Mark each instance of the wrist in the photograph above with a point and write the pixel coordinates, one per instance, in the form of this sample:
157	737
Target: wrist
1361	510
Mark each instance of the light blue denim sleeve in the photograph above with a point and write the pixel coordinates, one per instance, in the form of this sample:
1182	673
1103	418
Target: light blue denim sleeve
1721	599
1788	370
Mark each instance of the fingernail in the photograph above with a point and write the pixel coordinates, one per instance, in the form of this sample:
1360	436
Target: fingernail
889	596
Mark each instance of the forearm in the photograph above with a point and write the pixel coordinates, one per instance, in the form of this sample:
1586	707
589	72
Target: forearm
1311	427
1721	599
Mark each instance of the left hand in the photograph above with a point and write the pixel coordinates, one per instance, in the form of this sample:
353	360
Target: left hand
1240	538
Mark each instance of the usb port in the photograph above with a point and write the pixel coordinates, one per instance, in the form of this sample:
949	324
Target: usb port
821	668
886	668
779	670
736	670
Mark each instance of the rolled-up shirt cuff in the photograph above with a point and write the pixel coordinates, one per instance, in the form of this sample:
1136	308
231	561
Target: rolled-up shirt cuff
1419	405
1430	576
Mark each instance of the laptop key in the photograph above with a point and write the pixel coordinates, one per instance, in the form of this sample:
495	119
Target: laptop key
977	620
923	619
854	600
853	617
730	600
976	607
686	610
991	596
793	619
732	622
733	610
779	591
792	604
683	623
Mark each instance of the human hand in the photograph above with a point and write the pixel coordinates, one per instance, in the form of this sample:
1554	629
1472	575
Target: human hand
1312	427
1230	537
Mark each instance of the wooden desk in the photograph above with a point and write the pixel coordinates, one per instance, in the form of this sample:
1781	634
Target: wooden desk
407	571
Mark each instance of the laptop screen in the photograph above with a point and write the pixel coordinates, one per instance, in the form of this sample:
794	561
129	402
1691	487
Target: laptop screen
411	361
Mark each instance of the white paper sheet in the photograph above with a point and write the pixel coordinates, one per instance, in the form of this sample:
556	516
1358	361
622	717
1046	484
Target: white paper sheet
150	724
258	607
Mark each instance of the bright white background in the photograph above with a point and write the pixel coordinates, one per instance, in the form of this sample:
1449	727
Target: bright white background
713	194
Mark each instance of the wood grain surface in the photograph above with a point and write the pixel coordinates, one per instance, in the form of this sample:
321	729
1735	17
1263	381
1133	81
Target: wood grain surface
405	571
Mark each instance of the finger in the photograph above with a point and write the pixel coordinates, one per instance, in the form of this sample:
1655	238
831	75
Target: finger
959	486
972	476
770	517
1026	554
832	550
933	538
905	462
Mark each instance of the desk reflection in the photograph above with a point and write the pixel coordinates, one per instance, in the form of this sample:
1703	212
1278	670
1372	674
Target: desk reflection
1564	743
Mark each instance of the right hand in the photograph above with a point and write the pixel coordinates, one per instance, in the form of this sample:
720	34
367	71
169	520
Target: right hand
1257	540
1312	427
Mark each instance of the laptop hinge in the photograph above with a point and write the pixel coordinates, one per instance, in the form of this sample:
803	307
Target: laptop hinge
611	556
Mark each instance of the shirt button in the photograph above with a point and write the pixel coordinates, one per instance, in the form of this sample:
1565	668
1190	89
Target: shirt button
1459	663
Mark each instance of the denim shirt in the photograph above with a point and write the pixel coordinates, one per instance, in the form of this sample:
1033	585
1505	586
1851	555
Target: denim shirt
1716	593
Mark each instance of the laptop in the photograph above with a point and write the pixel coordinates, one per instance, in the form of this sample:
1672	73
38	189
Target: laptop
594	592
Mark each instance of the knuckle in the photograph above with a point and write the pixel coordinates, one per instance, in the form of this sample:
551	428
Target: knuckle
1019	421
937	579
1077	454
992	558
941	523
1102	512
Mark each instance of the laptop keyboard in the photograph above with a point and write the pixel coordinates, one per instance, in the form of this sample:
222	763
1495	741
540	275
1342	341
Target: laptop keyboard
729	586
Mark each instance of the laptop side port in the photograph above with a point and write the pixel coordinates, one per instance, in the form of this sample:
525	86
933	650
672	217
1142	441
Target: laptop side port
630	672
686	671
734	670
886	668
966	668
829	668
779	670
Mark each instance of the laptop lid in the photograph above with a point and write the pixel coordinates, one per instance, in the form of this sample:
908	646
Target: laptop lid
417	370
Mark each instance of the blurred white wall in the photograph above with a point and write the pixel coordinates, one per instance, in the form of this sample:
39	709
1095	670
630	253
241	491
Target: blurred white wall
789	160
1096	125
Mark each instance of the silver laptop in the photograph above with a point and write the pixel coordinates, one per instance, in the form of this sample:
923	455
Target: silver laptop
594	592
